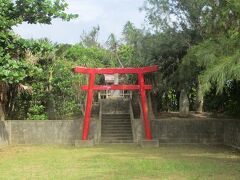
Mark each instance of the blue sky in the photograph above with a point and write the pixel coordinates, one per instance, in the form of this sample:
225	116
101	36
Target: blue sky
110	15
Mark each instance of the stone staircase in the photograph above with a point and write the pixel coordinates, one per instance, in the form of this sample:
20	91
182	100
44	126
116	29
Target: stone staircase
116	128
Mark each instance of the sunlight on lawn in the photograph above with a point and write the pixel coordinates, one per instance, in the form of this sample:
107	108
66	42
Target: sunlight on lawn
118	162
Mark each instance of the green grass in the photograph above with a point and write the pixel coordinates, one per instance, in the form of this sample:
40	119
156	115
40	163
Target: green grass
119	162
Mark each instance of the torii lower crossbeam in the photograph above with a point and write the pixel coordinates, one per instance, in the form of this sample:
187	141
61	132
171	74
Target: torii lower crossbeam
141	87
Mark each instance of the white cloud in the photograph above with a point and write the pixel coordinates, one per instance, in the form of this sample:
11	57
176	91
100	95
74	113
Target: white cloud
87	11
110	15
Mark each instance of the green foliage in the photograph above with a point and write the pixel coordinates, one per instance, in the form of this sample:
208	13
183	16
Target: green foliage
196	45
179	14
36	112
12	71
90	39
88	57
56	87
31	11
26	61
126	54
11	47
218	59
65	88
228	101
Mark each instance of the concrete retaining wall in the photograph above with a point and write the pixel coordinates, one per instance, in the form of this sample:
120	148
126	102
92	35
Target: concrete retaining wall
4	134
45	132
207	131
187	131
232	133
49	131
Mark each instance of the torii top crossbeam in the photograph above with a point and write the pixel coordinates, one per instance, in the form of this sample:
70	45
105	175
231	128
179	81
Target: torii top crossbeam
91	87
141	70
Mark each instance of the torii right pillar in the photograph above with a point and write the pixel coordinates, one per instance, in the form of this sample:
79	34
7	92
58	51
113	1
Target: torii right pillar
142	90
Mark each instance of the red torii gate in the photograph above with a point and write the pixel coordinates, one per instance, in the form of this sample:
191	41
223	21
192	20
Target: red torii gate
140	86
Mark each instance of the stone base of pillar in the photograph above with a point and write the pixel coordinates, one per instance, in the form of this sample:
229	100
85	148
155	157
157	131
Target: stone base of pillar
84	143
149	143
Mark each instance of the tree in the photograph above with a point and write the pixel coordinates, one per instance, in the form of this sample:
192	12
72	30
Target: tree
216	58
90	39
166	49
14	68
213	27
112	44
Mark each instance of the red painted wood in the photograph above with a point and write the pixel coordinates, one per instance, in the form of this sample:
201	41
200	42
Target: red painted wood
148	132
117	87
88	107
91	87
85	70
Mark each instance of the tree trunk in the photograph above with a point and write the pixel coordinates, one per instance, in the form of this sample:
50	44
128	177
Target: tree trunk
51	107
2	114
183	104
3	90
140	106
199	100
155	102
150	109
50	101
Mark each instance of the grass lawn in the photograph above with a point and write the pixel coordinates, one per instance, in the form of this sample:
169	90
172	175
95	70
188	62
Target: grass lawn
119	162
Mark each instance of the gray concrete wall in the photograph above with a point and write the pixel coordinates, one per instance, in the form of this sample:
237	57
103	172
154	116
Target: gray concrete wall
49	131
232	133
207	131
138	130
94	132
4	134
45	132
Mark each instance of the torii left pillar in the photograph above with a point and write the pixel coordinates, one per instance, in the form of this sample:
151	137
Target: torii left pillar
88	106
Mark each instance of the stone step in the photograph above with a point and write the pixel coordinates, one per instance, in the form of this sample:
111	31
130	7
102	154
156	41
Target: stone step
116	141
106	134
122	117
116	138
127	143
117	130
120	128
116	122
120	120
115	116
112	114
120	136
